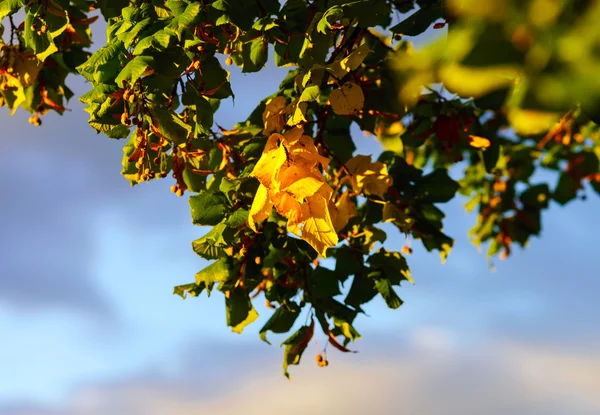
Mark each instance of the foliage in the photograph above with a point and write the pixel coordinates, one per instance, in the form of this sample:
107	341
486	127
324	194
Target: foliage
508	99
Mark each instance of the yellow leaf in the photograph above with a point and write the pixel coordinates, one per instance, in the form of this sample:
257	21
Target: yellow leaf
294	134
345	209
376	180
317	227
348	99
269	164
479	142
489	9
273	142
532	122
273	115
477	82
358	163
369	177
288	207
342	67
298	115
261	207
28	69
300	182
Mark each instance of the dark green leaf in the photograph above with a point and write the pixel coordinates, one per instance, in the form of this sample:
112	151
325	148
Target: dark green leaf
208	208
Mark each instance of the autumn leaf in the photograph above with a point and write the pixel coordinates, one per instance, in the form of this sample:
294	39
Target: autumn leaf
368	177
288	207
344	66
261	207
344	210
347	100
317	227
273	118
269	164
479	142
300	182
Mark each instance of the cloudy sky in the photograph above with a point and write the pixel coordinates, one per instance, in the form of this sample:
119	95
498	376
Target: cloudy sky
89	326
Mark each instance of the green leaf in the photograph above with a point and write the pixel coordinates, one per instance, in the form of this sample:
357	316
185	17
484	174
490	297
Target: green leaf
332	14
218	271
295	346
170	125
348	261
437	187
240	311
392	266
238	218
346	329
42	44
132	35
419	21
112	8
256	54
211	245
9	7
386	290
361	291
281	321
111	53
310	93
566	189
324	283
208	208
134	70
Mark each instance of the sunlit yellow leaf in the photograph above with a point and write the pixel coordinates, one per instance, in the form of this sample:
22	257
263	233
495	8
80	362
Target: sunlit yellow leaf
479	142
371	178
532	122
300	182
293	135
476	82
317	227
375	180
272	116
348	99
28	70
299	114
305	152
358	163
273	142
488	9
269	164
345	209
288	207
342	67
261	207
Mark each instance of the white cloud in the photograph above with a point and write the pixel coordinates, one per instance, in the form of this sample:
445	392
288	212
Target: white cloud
506	378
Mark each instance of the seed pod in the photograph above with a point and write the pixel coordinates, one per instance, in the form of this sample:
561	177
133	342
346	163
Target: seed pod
125	119
35	120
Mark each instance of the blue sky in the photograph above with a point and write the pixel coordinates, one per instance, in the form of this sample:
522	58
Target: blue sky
89	325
